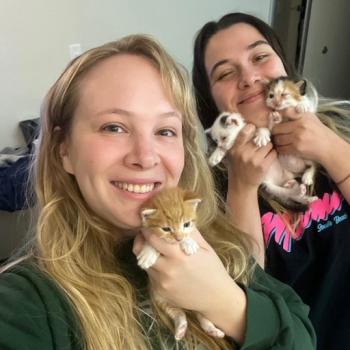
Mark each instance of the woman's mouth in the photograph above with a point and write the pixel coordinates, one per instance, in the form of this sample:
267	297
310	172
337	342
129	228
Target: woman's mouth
252	98
136	188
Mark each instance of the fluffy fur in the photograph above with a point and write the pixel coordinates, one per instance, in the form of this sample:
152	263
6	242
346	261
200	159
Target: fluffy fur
224	132
171	214
284	93
280	182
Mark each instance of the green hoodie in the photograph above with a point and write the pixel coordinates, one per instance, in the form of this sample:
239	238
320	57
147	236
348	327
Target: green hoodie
36	315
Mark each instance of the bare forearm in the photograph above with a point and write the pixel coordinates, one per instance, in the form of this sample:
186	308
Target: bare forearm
337	165
245	214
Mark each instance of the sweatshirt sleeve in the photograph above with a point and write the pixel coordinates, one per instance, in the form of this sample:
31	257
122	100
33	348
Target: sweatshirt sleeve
277	319
33	314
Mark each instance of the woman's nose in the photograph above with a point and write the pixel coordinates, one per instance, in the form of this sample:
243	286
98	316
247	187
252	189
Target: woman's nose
143	154
248	76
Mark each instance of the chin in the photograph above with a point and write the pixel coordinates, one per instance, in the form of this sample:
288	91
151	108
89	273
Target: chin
259	119
130	224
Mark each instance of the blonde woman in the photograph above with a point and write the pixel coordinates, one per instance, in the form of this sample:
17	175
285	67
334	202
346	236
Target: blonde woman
307	250
119	117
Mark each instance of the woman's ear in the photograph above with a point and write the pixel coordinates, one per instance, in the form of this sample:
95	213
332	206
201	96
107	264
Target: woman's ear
66	161
64	154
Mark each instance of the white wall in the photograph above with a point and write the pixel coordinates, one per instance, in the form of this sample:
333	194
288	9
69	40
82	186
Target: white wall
329	27
34	40
35	35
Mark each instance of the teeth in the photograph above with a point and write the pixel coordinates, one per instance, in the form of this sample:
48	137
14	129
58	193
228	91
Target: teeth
135	188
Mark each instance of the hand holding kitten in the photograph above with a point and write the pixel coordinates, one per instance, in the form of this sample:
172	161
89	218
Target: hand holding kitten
198	282
303	135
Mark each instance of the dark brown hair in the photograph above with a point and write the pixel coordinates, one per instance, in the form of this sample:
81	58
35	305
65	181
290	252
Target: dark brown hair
206	107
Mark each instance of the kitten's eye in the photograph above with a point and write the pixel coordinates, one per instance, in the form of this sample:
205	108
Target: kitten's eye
187	224
166	229
271	95
285	94
113	128
224	138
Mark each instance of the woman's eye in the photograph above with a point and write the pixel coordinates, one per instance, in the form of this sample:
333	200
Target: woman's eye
167	132
259	58
225	75
114	128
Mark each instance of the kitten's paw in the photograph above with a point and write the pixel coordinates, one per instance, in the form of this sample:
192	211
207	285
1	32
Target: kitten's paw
302	189
180	330
147	257
189	246
262	137
209	327
216	157
307	179
276	117
291	184
302	108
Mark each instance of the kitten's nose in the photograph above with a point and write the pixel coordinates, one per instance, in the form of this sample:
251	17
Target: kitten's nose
178	236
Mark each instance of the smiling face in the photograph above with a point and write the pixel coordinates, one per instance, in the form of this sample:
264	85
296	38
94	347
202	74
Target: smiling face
239	61
126	140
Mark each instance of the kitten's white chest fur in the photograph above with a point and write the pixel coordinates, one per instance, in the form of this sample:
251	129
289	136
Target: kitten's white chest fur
147	257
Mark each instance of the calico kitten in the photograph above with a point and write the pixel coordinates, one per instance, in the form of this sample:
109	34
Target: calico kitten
283	93
171	214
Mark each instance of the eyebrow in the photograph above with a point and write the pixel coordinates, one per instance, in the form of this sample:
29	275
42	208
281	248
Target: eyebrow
130	114
249	47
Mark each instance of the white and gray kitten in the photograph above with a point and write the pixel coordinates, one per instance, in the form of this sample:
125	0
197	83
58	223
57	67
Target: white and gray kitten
224	132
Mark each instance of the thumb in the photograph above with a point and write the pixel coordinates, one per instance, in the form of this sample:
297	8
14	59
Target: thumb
245	135
291	113
138	244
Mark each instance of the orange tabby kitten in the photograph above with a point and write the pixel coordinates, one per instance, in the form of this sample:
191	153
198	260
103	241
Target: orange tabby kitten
171	214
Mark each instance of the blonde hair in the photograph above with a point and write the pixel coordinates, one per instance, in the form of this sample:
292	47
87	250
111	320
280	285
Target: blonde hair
77	248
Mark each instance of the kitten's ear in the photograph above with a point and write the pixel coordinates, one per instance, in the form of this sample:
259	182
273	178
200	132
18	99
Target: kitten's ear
146	213
193	202
301	84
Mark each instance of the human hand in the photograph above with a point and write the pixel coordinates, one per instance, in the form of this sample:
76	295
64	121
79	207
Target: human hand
303	135
187	281
247	163
197	282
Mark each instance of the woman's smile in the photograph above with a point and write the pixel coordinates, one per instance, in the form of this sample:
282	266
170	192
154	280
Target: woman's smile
252	97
